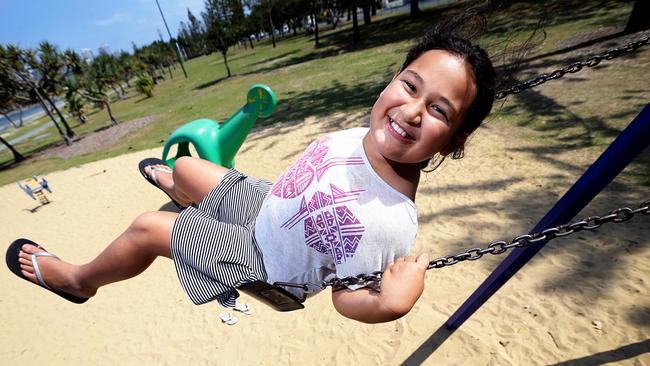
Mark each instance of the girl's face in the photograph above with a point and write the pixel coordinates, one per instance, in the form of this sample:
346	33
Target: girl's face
420	110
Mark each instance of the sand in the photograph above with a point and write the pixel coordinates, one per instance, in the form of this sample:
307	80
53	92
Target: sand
583	300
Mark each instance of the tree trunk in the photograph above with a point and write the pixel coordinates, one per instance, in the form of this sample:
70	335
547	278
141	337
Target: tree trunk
415	9
66	139
366	12
373	8
18	157
68	130
10	120
315	15
225	61
250	41
122	88
639	19
171	77
355	27
20	118
114	122
271	23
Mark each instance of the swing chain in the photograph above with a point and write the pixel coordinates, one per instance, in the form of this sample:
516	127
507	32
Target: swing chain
572	68
499	247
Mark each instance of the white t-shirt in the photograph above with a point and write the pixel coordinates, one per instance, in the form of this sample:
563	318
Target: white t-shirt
331	215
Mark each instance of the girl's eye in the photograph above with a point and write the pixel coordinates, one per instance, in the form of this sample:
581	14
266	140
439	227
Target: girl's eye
410	86
440	110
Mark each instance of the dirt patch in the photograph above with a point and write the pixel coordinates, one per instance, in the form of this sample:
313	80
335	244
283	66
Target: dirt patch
97	140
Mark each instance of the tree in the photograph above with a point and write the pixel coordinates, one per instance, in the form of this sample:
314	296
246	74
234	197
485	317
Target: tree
97	79
76	106
355	22
366	12
125	69
18	157
15	63
223	20
192	34
144	86
639	19
48	64
315	11
8	96
415	9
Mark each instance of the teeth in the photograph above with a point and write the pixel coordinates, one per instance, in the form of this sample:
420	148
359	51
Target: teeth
397	128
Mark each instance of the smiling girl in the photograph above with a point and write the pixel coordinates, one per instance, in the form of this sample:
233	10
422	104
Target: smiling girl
346	206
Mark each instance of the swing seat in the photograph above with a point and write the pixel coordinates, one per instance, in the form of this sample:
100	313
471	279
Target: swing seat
272	295
219	142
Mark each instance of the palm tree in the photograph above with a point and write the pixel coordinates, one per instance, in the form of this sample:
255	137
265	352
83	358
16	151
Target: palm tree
74	101
49	64
15	63
99	77
18	157
8	95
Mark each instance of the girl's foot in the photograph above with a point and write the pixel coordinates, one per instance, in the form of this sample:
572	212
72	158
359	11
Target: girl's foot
55	273
161	175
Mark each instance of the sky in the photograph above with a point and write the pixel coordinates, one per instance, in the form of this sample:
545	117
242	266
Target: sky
79	24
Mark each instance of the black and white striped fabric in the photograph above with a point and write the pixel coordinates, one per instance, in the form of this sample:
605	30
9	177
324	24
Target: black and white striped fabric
213	245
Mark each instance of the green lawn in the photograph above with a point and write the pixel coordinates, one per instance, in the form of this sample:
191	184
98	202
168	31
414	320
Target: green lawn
312	81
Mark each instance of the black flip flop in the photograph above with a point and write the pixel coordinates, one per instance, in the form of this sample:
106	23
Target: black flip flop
155	161
14	266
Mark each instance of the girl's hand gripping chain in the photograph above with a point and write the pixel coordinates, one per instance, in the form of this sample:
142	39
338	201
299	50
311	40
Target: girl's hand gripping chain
403	282
401	286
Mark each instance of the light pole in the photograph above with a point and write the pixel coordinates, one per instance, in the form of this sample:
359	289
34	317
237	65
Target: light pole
171	39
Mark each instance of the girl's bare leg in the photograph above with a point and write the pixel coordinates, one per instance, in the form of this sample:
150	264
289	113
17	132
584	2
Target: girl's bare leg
192	179
147	238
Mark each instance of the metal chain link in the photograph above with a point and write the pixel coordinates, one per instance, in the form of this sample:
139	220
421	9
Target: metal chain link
572	68
498	247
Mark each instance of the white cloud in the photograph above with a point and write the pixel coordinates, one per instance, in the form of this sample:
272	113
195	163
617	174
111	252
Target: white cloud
113	19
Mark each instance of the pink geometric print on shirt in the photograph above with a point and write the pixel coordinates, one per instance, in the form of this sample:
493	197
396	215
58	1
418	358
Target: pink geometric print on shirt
330	228
312	164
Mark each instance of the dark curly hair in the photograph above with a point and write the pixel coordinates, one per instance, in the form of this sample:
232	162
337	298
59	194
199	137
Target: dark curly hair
484	77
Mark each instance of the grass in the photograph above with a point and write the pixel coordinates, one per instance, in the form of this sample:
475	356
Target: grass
311	81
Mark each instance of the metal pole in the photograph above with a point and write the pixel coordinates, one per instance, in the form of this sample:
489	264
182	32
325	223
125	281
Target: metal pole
627	146
171	39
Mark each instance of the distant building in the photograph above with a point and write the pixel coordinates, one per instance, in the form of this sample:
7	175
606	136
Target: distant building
395	3
104	49
87	54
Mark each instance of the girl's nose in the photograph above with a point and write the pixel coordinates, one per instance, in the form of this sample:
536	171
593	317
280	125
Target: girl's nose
413	112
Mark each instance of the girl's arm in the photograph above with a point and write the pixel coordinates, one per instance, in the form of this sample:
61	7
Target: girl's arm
401	286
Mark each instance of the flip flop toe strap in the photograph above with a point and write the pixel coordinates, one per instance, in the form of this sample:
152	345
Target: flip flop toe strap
37	270
152	175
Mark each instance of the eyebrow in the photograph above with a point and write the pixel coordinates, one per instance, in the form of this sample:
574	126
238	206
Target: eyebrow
442	98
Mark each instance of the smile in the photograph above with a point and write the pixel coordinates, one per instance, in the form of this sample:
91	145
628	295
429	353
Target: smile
398	131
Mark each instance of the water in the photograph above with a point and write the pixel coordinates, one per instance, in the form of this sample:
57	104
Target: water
29	114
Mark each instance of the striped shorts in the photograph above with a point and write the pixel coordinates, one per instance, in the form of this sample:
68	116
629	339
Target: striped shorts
213	245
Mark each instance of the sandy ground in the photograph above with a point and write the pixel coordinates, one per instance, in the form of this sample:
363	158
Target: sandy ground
582	301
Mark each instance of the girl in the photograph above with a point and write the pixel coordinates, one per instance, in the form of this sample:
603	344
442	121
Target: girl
347	206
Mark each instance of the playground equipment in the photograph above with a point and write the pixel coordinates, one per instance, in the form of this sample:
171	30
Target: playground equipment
219	142
34	188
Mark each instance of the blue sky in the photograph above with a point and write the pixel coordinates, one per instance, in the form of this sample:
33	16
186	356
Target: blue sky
79	24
